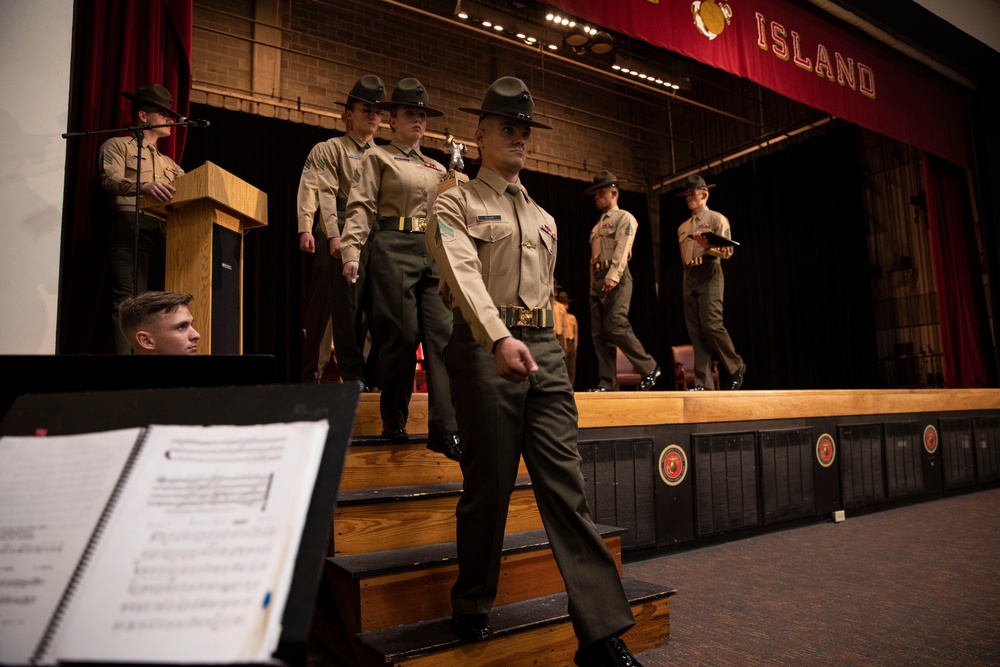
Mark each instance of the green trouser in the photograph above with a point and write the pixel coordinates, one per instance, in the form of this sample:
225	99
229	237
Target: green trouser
408	311
703	292
611	331
499	422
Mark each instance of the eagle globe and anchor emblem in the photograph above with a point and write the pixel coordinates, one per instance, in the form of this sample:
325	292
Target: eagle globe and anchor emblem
711	17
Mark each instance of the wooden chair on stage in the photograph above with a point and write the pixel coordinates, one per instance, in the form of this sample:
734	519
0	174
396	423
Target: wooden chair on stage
684	368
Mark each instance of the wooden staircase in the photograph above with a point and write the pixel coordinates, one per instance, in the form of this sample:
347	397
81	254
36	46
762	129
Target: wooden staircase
393	562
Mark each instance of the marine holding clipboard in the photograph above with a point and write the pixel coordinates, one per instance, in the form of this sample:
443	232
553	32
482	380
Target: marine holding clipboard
705	240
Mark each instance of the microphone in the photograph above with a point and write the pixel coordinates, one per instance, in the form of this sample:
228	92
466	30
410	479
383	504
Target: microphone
193	121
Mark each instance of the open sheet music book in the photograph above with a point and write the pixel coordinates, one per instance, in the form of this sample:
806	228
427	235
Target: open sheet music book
166	544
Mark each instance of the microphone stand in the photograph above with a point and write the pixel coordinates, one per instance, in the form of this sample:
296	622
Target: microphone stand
137	131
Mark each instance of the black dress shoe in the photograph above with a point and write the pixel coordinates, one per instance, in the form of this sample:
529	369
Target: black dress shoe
472	627
697	389
736	379
598	389
395	434
649	381
448	445
610	652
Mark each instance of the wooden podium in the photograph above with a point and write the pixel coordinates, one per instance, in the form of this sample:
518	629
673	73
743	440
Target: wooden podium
206	220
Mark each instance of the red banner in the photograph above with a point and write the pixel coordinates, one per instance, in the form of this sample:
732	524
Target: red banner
804	57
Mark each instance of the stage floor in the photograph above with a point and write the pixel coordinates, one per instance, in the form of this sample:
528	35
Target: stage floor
634	408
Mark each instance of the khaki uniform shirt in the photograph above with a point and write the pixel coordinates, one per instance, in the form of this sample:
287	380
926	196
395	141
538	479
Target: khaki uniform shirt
478	243
396	181
571	331
117	169
611	240
705	221
559	313
332	168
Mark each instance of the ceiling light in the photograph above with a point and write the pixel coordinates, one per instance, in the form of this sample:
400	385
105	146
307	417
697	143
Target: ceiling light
553	47
498	27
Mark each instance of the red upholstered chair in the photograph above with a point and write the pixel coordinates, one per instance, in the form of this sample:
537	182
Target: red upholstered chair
628	377
420	376
684	368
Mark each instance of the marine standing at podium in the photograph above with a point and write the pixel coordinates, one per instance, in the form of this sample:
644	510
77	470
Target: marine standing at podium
397	189
611	288
152	104
332	168
511	388
704	285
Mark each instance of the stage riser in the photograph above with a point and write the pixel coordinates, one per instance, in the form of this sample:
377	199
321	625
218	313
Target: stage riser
552	646
382	526
745	476
396	598
380	465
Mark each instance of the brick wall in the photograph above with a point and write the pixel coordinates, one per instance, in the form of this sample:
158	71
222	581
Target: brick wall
326	45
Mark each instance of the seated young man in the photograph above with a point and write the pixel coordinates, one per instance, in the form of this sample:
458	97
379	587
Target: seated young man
159	323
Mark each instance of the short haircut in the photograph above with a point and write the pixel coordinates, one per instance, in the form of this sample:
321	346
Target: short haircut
139	312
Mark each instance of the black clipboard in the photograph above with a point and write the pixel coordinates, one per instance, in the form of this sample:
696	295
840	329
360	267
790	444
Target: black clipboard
718	241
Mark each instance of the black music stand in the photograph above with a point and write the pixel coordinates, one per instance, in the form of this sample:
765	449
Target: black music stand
63	414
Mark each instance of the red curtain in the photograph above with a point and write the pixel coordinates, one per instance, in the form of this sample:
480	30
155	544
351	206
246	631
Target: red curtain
958	275
118	45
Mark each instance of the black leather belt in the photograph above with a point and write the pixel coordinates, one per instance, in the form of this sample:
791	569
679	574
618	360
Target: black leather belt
401	224
518	316
605	264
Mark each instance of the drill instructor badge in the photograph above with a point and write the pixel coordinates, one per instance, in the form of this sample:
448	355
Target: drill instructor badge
673	465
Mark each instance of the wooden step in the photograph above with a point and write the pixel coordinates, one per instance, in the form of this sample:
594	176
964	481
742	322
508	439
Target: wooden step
374	463
387	588
413	516
532	632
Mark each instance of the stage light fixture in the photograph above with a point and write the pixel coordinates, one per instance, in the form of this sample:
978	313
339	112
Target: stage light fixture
576	36
602	43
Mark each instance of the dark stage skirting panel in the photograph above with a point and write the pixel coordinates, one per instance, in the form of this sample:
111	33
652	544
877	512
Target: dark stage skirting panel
676	468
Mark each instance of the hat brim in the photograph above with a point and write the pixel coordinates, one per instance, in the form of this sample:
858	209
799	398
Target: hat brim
683	191
594	188
430	111
142	100
484	112
355	98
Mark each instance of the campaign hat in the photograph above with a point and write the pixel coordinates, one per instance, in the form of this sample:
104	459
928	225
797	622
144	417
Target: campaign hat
602	180
155	95
410	93
368	89
508	97
691	183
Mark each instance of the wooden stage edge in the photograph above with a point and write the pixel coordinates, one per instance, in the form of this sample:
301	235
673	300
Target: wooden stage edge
634	408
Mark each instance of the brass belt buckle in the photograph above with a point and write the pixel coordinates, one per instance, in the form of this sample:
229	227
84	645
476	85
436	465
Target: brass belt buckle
525	317
420	224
